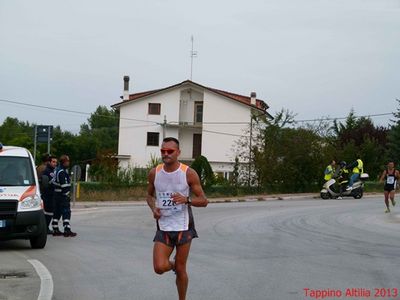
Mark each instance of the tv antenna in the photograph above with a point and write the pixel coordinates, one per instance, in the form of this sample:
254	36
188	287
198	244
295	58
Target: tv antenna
193	54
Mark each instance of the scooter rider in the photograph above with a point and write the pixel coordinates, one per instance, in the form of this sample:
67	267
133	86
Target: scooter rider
62	199
342	178
330	170
47	190
358	169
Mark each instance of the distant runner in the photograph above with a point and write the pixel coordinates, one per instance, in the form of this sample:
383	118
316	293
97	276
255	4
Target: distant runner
168	193
390	177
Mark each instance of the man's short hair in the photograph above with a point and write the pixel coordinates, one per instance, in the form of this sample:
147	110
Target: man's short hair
51	157
63	158
171	139
45	157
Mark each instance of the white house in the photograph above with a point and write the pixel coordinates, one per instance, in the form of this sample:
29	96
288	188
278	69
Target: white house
205	120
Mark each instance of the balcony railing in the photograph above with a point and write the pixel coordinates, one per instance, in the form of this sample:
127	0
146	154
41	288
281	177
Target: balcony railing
184	124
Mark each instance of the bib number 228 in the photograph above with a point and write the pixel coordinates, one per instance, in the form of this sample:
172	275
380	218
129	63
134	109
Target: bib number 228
168	203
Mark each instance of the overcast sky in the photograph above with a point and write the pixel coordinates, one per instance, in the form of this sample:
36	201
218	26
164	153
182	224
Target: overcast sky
314	57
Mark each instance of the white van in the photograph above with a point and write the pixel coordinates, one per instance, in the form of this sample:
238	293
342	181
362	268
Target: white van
21	207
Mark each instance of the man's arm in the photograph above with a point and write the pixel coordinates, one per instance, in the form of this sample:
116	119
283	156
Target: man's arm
45	181
64	184
382	176
151	201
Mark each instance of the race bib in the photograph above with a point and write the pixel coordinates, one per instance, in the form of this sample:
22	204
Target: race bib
164	201
390	180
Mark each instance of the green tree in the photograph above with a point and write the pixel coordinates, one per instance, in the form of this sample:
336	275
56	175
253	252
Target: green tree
286	158
100	134
17	133
360	137
394	137
204	170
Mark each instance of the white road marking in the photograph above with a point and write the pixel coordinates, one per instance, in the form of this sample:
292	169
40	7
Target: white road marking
46	280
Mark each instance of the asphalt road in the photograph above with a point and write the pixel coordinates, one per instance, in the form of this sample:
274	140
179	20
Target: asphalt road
248	250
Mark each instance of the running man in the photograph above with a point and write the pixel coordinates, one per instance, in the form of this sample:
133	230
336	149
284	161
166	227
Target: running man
168	192
390	176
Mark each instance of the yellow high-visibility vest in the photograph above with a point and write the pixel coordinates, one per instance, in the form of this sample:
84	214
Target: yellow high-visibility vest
328	173
359	168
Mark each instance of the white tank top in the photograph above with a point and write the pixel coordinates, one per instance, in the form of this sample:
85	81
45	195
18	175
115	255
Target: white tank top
173	217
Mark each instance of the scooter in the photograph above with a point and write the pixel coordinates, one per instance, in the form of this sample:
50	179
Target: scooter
331	189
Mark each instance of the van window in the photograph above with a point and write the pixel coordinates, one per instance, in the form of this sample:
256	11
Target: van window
16	171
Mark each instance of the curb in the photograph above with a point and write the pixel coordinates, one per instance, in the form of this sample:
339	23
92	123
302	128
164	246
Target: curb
260	198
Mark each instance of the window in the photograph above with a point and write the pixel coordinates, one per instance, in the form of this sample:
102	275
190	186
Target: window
198	112
196	145
16	171
153	138
154	108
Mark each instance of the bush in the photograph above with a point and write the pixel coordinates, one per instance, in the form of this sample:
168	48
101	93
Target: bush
204	170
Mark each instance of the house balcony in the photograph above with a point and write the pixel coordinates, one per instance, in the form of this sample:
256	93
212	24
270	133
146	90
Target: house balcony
184	124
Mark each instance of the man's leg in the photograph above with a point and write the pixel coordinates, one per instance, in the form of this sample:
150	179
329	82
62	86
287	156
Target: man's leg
386	193
182	280
392	197
353	178
66	214
161	254
48	211
56	216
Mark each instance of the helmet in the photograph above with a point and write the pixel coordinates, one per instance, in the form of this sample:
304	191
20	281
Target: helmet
342	164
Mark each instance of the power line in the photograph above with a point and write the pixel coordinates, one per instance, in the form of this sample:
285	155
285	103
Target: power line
342	118
175	122
72	111
224	133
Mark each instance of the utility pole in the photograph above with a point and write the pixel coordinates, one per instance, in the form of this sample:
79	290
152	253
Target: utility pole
48	140
164	126
193	54
250	144
34	144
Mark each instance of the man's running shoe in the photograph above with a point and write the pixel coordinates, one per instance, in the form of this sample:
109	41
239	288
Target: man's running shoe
394	202
339	198
349	188
387	210
57	232
69	233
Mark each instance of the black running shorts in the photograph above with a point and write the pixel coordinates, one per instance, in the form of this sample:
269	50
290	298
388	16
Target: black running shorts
388	187
175	238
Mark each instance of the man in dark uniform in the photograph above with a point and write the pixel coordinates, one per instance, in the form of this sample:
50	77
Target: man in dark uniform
62	199
47	190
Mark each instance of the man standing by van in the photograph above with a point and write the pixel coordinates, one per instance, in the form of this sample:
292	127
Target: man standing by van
62	199
47	189
168	198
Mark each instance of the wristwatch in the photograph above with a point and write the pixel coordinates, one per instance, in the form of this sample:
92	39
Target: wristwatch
188	201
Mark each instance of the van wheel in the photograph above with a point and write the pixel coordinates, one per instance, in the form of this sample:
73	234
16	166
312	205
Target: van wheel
39	241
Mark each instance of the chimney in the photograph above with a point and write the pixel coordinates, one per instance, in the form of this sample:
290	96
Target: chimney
253	97
126	88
